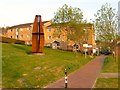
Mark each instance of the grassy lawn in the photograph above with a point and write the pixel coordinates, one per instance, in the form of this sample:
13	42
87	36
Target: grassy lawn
107	83
22	70
110	65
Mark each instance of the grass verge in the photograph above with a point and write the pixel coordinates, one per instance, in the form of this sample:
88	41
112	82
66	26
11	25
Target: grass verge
107	83
20	69
110	65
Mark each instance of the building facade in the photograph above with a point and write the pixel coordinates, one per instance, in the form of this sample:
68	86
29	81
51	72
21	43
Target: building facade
3	31
24	32
21	32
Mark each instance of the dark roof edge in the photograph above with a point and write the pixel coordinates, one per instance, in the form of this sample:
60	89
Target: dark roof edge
26	24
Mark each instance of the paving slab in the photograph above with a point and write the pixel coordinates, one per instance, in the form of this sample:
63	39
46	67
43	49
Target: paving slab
109	75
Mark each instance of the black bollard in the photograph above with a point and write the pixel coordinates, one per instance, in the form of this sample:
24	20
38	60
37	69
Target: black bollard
66	79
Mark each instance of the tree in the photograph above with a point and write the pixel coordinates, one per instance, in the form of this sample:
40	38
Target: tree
69	20
105	25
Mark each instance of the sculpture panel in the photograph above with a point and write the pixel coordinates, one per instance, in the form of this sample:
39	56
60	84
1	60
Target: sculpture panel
37	35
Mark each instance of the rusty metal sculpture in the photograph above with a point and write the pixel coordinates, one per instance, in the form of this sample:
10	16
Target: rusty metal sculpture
37	35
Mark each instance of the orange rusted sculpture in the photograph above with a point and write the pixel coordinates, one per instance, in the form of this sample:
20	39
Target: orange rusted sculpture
37	35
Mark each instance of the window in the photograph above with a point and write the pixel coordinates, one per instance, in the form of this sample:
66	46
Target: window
58	36
27	36
10	30
16	29
49	30
16	36
21	29
49	37
21	36
28	28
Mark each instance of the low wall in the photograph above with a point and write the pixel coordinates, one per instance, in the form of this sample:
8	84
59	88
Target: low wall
9	40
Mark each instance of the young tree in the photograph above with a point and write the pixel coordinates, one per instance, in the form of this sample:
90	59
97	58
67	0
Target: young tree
105	24
69	20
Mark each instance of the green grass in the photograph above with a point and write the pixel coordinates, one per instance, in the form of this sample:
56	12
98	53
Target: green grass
110	65
22	70
107	83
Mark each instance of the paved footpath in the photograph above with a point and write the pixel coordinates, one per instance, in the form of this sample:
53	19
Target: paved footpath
84	77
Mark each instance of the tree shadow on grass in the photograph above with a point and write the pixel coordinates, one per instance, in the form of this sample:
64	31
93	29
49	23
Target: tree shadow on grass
23	48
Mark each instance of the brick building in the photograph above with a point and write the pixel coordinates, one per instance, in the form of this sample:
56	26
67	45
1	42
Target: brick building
24	32
3	31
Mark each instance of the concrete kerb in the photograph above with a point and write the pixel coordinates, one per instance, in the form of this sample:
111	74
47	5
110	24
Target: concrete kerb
54	82
114	76
94	83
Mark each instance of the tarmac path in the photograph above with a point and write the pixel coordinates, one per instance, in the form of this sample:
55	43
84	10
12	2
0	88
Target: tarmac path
85	77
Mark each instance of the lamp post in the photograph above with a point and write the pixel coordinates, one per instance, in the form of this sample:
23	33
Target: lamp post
85	45
85	49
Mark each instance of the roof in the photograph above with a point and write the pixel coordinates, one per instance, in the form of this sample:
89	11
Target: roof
25	25
21	25
29	24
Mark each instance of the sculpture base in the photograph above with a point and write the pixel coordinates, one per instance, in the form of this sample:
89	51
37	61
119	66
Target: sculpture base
39	54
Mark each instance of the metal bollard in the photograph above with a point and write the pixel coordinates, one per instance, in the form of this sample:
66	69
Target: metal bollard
66	79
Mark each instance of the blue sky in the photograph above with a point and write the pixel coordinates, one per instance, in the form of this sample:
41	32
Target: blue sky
14	12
